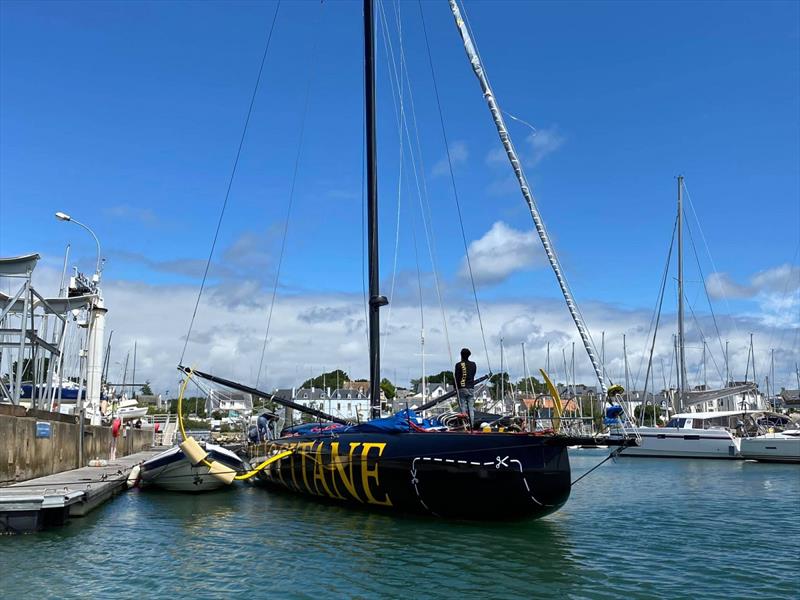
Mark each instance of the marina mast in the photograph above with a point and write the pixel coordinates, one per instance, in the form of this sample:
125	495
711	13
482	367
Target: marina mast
375	299
681	340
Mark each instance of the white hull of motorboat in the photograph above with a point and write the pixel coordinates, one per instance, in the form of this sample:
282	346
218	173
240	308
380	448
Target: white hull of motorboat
772	447
171	470
684	443
131	412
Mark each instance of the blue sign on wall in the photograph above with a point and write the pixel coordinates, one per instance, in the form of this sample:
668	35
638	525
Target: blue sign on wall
42	429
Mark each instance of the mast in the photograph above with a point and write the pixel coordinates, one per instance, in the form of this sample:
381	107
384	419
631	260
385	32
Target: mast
133	392
502	380
681	340
772	377
505	138
627	375
548	358
705	374
375	299
727	367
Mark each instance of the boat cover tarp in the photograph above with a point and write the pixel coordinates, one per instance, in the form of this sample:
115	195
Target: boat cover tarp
402	422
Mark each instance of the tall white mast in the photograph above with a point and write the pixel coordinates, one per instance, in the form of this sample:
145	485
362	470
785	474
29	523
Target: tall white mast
681	340
505	138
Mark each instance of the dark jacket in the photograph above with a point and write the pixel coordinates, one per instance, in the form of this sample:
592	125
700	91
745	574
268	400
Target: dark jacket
465	374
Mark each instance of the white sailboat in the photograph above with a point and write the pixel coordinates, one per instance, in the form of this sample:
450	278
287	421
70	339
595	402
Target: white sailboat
778	440
695	431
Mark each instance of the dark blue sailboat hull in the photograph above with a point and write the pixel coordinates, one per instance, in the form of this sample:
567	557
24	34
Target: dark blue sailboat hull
485	476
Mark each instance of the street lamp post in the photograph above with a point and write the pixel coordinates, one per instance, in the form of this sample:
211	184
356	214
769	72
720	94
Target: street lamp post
65	217
94	345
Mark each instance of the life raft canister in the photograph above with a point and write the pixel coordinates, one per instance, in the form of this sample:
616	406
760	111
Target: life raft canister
115	427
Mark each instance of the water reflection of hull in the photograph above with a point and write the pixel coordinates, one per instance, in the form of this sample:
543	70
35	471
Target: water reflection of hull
456	475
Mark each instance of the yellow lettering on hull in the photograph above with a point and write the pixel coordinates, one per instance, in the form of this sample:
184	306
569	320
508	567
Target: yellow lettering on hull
319	475
368	473
301	448
333	471
345	474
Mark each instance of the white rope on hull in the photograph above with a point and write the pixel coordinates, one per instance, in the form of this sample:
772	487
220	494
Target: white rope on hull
505	138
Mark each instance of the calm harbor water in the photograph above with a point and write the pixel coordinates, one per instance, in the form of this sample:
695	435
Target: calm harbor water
643	528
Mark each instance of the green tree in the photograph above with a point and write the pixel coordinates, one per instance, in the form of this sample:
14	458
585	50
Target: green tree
27	369
388	388
531	384
335	378
442	377
145	389
495	384
651	413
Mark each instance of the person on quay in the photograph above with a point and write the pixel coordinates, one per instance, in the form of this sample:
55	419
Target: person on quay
465	384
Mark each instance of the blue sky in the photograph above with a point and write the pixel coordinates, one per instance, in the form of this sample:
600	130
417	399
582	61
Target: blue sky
127	115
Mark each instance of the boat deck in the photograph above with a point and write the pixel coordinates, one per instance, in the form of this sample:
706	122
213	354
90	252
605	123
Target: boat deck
50	501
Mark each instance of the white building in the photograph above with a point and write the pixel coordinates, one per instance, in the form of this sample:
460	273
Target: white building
231	404
345	403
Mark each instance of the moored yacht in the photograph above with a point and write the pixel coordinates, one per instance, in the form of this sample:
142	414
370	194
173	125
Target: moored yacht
691	435
778	441
702	435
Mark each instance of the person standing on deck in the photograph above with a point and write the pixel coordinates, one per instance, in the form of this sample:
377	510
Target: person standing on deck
465	382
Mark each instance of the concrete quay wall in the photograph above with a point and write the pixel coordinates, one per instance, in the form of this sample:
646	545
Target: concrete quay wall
24	456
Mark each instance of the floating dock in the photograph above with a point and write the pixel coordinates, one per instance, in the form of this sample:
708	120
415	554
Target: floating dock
51	501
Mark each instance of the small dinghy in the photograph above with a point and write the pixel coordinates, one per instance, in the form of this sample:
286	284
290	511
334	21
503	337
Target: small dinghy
174	471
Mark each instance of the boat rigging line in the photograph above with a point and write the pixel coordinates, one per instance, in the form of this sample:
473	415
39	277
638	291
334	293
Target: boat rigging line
311	73
654	327
708	297
508	145
453	184
613	455
400	120
193	451
263	394
397	82
231	178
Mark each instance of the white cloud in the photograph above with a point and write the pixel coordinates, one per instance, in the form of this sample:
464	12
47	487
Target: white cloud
458	155
496	156
132	213
312	332
538	144
775	291
783	279
541	143
500	252
721	285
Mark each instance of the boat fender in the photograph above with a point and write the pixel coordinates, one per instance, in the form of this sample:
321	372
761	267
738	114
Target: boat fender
115	427
133	476
98	462
193	451
219	471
